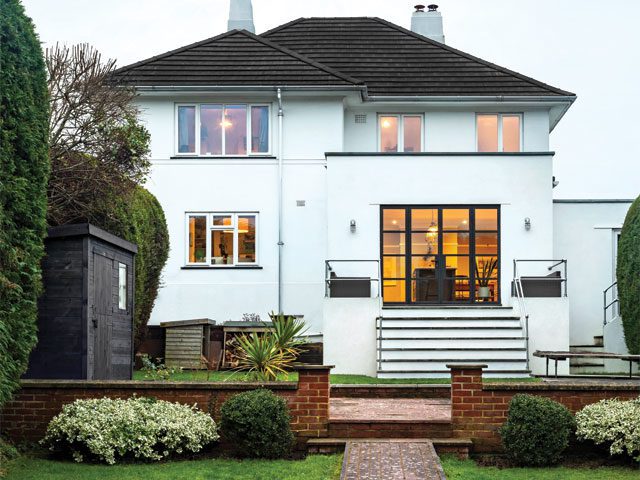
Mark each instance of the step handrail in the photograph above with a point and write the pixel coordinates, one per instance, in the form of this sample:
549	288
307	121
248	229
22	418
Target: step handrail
613	288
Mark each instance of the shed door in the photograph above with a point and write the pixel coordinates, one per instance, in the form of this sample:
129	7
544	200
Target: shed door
103	312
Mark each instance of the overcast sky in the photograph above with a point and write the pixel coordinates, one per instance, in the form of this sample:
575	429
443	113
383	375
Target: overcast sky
589	47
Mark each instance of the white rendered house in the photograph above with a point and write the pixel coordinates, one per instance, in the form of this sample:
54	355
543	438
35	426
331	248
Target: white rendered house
393	190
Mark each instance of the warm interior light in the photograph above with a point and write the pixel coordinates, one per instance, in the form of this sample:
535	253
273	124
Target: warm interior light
226	123
386	124
432	231
395	222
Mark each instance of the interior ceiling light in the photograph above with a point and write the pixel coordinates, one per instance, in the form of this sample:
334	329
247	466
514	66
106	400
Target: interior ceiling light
386	124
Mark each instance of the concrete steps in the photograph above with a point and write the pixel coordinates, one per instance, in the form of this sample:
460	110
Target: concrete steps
461	447
582	366
420	343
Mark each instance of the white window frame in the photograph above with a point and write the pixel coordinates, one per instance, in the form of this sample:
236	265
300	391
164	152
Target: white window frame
401	117
500	116
211	227
198	127
122	286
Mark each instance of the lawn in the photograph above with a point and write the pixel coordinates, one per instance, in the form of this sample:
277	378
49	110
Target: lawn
468	470
315	467
336	379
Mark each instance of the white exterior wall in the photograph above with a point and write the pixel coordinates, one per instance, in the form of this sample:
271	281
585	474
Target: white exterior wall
521	185
585	236
450	130
247	184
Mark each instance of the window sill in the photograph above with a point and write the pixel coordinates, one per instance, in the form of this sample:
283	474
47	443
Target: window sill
235	267
223	157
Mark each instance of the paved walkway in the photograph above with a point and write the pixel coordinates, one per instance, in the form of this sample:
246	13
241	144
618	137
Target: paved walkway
385	409
391	460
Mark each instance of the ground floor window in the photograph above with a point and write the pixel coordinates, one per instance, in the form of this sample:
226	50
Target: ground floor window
440	254
220	239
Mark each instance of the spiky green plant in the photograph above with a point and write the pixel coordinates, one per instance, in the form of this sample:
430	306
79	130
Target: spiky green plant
288	332
261	357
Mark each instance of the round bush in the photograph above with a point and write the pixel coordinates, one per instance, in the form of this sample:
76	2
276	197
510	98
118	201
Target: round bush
257	424
628	273
142	428
614	423
537	430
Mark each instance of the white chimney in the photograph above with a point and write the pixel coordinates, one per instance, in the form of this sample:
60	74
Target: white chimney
429	23
241	16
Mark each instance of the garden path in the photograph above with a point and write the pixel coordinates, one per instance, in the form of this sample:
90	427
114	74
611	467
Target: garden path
391	460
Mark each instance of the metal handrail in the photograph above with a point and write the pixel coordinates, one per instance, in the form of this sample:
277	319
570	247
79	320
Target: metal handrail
523	314
556	262
615	300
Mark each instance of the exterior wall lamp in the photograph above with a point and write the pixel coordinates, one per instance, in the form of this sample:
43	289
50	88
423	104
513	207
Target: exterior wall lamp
527	223
352	226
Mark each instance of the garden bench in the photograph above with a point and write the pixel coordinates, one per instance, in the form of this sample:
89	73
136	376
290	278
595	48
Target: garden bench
556	356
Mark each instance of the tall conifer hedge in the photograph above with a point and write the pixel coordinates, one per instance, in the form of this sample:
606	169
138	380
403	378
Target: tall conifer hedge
628	272
24	168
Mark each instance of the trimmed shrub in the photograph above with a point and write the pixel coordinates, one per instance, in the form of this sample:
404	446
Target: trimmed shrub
628	273
257	424
142	428
24	170
537	430
614	423
139	218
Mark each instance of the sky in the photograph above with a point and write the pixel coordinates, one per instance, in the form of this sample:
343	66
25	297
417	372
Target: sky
589	47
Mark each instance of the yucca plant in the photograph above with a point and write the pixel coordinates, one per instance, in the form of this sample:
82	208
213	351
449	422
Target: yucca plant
261	357
484	272
288	333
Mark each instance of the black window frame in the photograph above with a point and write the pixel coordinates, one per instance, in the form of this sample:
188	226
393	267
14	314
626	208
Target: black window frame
408	277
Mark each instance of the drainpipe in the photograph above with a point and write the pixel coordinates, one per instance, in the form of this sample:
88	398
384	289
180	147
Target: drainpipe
280	156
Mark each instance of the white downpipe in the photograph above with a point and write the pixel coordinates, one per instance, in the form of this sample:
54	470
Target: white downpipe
280	156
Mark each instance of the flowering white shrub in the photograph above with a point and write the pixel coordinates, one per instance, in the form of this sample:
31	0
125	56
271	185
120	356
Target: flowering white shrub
140	428
612	422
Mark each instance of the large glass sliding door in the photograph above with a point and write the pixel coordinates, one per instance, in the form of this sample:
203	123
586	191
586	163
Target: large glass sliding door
440	255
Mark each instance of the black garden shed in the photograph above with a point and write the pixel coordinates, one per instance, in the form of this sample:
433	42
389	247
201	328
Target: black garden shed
85	315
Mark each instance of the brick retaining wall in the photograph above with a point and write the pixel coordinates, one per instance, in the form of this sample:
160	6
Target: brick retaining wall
478	410
391	391
26	416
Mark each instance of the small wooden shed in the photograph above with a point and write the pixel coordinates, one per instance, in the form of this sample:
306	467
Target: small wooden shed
187	342
85	316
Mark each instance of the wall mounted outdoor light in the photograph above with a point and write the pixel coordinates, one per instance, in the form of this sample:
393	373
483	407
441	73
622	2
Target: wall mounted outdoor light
527	223
352	226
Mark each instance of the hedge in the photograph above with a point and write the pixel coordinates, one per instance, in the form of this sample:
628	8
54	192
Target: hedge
139	218
628	273
24	170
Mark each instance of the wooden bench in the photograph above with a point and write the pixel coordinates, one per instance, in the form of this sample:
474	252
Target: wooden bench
556	356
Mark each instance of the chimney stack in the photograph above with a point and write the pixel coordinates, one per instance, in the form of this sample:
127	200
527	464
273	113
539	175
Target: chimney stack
429	23
241	16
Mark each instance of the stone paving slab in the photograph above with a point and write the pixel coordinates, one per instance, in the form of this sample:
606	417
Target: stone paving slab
390	409
391	460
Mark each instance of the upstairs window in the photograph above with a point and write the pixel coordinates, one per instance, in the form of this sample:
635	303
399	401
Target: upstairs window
222	129
499	132
222	239
400	133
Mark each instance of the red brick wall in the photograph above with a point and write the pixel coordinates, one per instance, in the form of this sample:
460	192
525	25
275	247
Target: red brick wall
26	416
390	391
478	411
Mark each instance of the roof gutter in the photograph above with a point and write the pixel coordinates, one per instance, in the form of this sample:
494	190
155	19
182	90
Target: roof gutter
242	88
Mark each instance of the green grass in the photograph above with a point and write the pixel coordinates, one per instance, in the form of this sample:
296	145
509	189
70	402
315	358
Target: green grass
336	379
468	470
312	468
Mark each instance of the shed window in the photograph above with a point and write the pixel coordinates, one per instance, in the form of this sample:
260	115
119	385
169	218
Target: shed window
499	132
222	239
223	129
122	286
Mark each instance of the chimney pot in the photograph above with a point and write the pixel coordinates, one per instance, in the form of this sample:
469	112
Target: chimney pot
433	7
419	8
